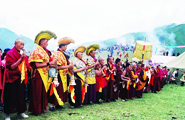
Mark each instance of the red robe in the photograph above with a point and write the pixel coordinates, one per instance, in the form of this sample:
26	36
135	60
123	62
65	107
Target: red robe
156	81
2	80
14	96
101	81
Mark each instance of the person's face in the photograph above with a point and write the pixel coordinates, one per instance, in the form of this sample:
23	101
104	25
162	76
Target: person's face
134	66
19	45
0	51
130	68
64	48
92	53
44	43
79	55
119	63
101	62
111	60
139	66
143	68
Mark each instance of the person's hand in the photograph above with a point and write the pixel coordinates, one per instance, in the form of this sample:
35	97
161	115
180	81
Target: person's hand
86	72
70	66
114	68
96	63
23	55
86	67
54	62
104	67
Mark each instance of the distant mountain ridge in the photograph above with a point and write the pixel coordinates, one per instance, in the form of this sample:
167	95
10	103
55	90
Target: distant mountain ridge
170	35
8	37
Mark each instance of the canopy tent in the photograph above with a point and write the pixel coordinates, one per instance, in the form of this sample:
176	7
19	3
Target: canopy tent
162	59
178	62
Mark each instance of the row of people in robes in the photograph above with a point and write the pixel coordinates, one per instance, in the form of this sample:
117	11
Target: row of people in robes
93	79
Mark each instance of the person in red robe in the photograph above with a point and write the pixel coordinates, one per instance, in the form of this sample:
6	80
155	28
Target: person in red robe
125	83
2	74
110	87
142	81
1	81
132	89
40	62
117	76
156	81
14	93
101	81
164	76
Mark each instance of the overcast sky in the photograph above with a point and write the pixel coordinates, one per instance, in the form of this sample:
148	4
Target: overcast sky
88	20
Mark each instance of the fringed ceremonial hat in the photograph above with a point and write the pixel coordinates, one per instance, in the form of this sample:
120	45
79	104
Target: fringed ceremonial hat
92	47
45	34
65	41
80	49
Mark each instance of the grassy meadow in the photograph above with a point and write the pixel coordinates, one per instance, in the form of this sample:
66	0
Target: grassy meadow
165	105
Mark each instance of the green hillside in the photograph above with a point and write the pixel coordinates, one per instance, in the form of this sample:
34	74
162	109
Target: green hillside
179	32
169	35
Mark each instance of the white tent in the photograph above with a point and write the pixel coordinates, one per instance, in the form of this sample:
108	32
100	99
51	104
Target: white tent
162	59
178	62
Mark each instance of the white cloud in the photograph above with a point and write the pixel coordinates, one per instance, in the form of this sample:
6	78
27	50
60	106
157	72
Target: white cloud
85	20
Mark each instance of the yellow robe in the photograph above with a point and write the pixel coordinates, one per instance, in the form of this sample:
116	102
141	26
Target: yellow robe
40	55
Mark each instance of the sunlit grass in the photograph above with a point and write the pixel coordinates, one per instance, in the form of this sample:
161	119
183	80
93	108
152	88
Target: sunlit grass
166	104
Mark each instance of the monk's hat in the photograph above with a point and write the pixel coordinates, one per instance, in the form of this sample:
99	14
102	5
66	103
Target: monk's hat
92	47
44	35
65	41
80	49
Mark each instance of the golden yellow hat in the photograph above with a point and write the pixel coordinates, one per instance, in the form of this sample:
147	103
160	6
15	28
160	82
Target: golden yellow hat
45	34
65	41
80	49
92	47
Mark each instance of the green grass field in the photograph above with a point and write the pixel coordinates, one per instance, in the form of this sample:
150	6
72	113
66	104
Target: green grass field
165	105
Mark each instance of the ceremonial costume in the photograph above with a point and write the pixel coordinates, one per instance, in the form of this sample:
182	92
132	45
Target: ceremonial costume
117	80
132	89
39	76
112	86
141	84
62	79
77	92
62	91
164	77
101	85
147	86
2	79
156	81
14	96
125	84
91	88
